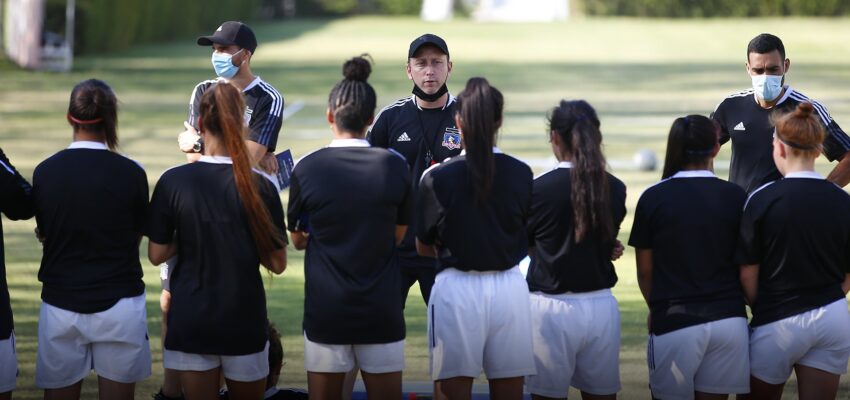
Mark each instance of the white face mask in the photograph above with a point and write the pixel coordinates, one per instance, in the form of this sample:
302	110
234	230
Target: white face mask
767	87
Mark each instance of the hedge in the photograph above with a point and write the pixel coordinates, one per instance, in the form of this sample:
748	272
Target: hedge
351	7
715	8
108	25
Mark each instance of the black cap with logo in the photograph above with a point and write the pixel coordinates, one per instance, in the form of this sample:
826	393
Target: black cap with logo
427	39
231	33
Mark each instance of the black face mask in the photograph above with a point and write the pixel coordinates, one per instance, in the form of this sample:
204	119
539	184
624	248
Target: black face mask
430	97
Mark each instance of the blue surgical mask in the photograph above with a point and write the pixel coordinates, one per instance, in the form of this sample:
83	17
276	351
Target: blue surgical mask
767	87
223	64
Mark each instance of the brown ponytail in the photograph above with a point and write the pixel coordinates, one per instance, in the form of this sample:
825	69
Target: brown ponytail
480	108
577	124
801	131
222	109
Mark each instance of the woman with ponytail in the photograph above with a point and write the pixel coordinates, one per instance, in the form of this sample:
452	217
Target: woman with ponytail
223	220
471	214
348	206
91	209
684	234
795	268
576	210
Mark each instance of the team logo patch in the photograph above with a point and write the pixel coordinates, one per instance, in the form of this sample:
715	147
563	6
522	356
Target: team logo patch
451	138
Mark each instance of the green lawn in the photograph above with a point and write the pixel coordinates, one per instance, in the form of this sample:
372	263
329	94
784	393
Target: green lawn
639	74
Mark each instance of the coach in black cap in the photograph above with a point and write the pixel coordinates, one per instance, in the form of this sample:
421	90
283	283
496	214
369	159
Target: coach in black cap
234	44
422	128
231	33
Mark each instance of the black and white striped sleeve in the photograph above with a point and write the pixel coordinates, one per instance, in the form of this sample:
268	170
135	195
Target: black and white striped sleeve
837	142
267	118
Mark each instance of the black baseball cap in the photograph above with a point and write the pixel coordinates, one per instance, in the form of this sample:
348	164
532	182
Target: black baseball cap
425	39
231	33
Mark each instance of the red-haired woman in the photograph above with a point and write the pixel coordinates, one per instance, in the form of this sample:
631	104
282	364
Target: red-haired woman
228	220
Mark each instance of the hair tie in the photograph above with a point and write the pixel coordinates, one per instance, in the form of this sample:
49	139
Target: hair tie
700	153
84	121
796	145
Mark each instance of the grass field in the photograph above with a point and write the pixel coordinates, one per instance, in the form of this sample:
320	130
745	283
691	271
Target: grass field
639	74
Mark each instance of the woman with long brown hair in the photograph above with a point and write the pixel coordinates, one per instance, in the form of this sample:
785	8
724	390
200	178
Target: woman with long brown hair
793	251
576	210
223	220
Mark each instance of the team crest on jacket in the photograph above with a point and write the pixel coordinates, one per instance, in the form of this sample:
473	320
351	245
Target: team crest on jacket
451	138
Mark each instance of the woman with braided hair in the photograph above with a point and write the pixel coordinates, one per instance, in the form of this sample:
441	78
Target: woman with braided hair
348	207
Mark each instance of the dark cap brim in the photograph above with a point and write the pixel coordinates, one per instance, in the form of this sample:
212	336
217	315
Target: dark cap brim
432	44
210	40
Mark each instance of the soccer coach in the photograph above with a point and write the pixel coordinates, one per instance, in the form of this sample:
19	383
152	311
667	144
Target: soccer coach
746	118
422	128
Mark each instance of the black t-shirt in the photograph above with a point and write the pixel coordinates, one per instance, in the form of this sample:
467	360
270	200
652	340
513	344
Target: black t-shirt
91	207
748	125
16	203
264	112
350	197
218	304
470	237
559	264
797	230
690	222
423	136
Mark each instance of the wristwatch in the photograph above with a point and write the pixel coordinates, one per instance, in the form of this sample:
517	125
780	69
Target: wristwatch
198	146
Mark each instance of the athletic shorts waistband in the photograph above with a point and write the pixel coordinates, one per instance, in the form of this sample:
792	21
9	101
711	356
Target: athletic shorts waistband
595	294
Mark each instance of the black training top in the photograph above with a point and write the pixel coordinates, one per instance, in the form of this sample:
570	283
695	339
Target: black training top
748	125
350	197
470	237
558	263
218	304
16	203
797	230
263	115
423	136
91	207
690	222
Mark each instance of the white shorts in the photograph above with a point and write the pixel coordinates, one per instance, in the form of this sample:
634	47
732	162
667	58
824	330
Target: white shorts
479	321
8	364
113	342
244	368
576	343
818	338
710	358
378	358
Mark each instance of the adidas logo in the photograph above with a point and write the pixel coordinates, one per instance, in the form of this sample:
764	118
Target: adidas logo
403	138
739	127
